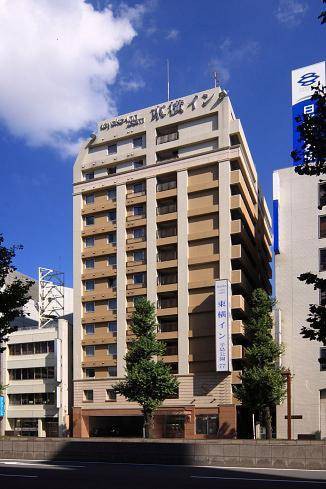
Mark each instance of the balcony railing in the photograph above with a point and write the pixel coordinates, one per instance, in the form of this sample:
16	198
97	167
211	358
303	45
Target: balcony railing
171	350
166	209
160	187
168	302
167	279
166	232
172	255
165	138
168	327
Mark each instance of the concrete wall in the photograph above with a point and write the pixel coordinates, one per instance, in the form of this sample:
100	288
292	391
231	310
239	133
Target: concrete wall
241	453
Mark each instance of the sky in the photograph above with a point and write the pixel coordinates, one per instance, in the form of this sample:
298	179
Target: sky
66	64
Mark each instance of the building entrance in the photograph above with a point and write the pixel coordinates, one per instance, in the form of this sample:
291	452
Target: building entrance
116	426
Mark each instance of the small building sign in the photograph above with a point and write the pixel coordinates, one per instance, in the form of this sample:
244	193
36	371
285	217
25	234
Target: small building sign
2	406
223	322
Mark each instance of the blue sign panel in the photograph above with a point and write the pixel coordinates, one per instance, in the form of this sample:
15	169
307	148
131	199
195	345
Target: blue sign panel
2	406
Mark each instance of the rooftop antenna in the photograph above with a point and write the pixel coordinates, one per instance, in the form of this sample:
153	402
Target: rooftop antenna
215	77
168	77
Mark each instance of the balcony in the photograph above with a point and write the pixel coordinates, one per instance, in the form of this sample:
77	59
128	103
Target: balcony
166	209
171	349
167	302
166	232
167	278
165	156
163	186
167	255
167	326
166	138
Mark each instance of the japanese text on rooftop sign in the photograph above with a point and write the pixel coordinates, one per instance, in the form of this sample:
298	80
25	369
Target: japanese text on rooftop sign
223	320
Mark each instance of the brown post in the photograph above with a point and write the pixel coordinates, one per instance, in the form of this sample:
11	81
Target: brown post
288	384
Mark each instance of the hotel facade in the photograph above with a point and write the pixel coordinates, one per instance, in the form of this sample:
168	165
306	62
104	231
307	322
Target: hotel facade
166	205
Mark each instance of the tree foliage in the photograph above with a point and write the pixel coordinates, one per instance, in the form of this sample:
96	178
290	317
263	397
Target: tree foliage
263	381
322	15
316	320
311	157
149	380
13	295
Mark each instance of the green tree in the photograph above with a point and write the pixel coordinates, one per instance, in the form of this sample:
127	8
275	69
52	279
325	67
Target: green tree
149	380
322	16
311	156
263	381
13	294
316	328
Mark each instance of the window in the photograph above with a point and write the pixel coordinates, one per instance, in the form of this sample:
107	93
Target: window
138	188
138	278
139	232
322	195
112	216
111	194
89	373
322	226
89	175
89	285
89	328
89	199
138	164
137	142
112	326
112	170
138	210
31	398
138	298
89	306
90	350
89	241
112	260
112	304
322	298
111	395
112	282
322	260
322	359
89	263
89	220
139	255
112	149
112	349
112	238
207	425
88	395
112	371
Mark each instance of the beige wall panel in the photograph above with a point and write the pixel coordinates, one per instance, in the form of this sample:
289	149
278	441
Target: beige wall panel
203	247
204	223
202	199
202	175
204	271
202	324
201	299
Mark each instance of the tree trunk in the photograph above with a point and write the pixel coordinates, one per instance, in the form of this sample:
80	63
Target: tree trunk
148	424
268	422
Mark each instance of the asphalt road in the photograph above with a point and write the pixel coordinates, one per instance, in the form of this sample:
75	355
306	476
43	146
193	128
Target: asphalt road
60	475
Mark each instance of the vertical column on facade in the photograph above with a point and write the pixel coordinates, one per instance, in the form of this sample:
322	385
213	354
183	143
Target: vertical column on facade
78	270
121	279
224	220
151	251
183	296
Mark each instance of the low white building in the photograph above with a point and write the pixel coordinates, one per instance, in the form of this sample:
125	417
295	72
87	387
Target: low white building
37	369
300	246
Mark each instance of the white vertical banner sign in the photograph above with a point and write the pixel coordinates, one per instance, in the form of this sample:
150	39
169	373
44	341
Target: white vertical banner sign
57	350
223	324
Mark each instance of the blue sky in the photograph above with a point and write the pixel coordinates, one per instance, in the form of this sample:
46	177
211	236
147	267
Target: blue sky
61	77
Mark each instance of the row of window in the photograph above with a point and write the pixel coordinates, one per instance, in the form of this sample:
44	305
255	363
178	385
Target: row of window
139	278
31	373
111	238
32	398
137	210
90	327
112	170
88	395
137	187
89	373
111	261
31	348
90	350
165	301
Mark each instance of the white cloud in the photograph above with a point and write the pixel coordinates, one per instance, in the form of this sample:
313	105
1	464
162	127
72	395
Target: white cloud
172	35
291	12
57	60
230	55
131	85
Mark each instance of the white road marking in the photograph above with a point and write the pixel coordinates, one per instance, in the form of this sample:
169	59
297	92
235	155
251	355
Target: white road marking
21	476
257	479
41	465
